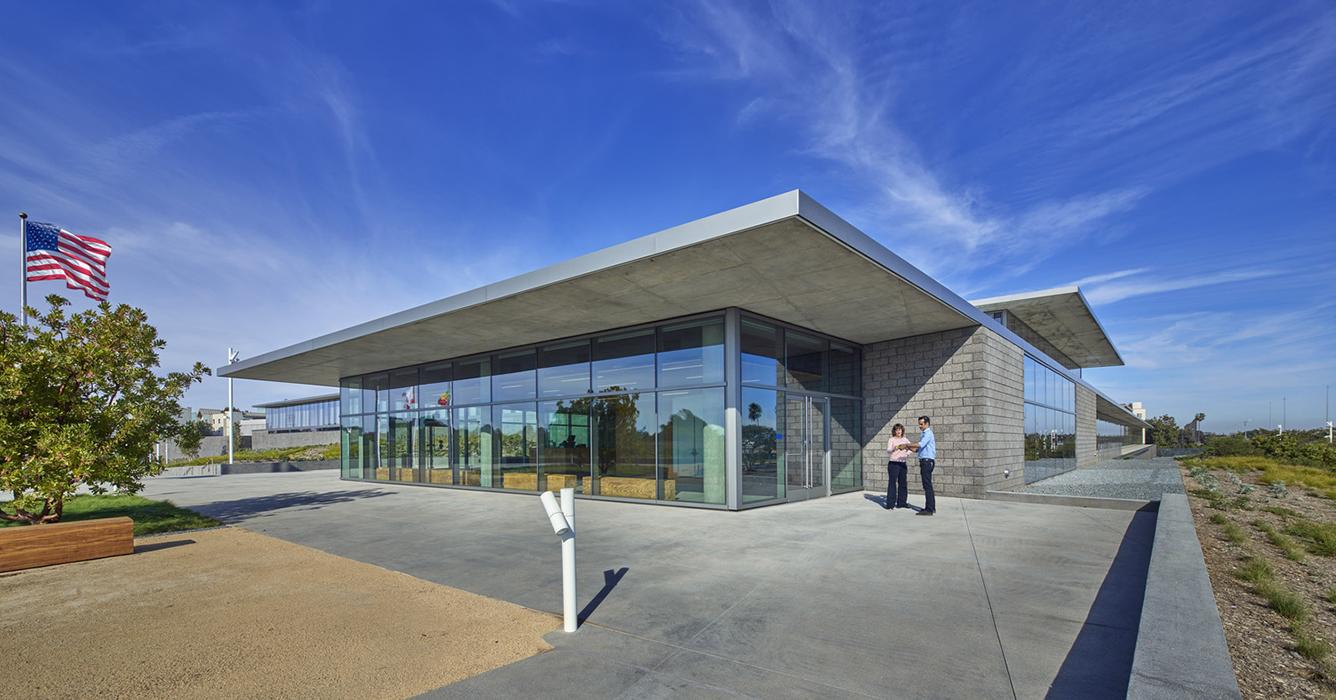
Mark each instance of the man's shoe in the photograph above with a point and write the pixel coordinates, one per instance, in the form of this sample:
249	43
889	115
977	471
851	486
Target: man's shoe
924	512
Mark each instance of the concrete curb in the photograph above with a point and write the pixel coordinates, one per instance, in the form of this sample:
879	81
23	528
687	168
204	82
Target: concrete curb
1181	650
1077	501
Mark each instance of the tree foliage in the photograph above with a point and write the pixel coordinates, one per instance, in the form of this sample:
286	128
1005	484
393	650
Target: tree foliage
1164	431
81	404
191	437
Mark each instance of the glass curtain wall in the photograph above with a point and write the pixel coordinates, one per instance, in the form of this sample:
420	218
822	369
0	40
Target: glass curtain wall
1050	422
635	413
779	363
1111	438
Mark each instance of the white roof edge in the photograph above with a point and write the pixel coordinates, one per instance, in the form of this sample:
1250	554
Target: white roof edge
1053	292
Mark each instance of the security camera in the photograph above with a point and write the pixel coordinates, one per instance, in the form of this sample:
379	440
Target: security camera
554	514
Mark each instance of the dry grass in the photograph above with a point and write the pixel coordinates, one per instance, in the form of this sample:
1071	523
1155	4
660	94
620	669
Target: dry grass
1322	481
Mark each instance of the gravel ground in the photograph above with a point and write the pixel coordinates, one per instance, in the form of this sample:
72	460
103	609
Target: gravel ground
233	613
1140	479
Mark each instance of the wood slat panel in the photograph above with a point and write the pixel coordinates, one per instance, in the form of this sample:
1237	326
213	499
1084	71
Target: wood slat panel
31	546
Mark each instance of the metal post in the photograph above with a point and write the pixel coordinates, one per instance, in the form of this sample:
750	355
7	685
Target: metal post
568	597
231	357
23	267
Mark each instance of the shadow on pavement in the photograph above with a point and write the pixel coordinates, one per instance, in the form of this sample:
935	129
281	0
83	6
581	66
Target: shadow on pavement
610	580
1099	664
141	548
263	505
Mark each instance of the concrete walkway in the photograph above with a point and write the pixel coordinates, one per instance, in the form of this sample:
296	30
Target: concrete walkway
830	598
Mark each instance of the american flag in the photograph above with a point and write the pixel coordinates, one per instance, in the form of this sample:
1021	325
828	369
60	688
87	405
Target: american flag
57	254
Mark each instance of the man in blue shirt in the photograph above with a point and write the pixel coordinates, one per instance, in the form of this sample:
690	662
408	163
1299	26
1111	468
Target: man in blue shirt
927	459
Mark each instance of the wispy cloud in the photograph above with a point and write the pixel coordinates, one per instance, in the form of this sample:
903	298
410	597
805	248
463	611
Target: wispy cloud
1120	288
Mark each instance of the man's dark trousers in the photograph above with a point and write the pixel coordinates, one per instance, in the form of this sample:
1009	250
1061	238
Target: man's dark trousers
897	474
925	474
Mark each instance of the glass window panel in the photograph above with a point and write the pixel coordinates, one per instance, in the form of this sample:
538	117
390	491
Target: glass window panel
563	436
436	447
472	433
350	394
375	393
436	385
376	441
691	353
515	429
1031	434
846	442
761	354
624	460
513	376
1029	378
403	446
563	369
350	448
762	461
691	445
624	362
472	381
845	367
805	360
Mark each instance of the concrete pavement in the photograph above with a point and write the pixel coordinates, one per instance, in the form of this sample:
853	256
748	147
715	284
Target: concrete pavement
832	598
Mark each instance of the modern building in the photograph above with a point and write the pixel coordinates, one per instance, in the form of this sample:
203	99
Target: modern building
756	356
310	420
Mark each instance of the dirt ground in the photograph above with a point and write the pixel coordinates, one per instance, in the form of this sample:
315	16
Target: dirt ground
1266	662
232	613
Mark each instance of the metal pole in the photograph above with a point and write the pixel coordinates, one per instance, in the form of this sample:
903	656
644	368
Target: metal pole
568	611
231	357
23	267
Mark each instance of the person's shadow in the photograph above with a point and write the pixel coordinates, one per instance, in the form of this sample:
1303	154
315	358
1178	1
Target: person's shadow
881	501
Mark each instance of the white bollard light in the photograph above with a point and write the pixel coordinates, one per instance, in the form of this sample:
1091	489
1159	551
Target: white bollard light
568	562
562	518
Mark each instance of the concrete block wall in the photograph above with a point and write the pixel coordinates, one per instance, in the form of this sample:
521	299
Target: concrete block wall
265	440
1086	440
971	382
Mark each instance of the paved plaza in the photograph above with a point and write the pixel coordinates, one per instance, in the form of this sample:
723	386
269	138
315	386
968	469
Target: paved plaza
830	598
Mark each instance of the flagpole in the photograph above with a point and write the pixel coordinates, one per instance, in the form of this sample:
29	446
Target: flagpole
23	267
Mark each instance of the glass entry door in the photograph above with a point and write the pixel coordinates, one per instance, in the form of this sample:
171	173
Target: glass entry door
806	447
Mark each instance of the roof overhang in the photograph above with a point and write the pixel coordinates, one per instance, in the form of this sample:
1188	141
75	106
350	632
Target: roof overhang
1062	319
298	402
1107	410
786	257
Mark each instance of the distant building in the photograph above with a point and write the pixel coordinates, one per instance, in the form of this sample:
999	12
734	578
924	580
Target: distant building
311	420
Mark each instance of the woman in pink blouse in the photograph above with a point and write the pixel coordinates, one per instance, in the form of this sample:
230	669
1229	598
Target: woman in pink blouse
897	469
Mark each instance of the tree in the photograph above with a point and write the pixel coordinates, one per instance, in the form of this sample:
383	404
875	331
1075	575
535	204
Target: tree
191	437
81	405
1164	431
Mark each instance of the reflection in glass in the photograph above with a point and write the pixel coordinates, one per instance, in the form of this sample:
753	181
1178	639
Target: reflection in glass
472	432
563	369
350	396
563	435
515	428
435	390
762	463
403	446
403	390
436	447
845	370
375	393
513	376
846	441
805	361
624	428
691	445
761	354
624	362
472	383
692	353
350	441
376	432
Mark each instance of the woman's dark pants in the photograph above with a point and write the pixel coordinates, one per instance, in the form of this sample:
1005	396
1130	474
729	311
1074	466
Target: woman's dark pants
898	476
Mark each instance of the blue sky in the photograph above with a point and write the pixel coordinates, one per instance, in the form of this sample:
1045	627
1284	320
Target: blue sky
266	174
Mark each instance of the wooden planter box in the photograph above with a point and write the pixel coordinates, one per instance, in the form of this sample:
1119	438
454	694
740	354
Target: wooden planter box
31	546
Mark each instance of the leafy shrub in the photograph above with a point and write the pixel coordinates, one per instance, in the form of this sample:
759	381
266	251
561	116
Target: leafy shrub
1277	489
1287	448
1231	446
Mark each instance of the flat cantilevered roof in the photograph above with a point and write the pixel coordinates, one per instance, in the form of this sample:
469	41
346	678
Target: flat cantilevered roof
786	257
1063	319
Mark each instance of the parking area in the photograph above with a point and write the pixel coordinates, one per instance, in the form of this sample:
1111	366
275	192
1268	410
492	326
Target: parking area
833	597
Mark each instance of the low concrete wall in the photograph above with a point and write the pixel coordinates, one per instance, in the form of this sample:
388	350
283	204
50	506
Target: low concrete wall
252	468
265	440
1181	650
